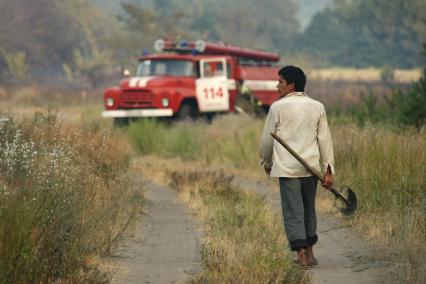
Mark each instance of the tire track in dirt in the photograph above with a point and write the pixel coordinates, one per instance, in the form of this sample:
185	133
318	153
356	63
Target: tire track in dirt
163	246
343	256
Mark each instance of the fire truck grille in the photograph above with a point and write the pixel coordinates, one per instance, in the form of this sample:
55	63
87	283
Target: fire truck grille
137	99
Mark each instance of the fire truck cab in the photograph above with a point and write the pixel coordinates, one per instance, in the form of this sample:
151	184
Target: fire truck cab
186	79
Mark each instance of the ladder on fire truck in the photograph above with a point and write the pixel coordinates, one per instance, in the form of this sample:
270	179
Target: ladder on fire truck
212	48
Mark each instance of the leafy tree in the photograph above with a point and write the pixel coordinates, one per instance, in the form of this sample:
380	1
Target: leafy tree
362	33
15	64
72	37
47	33
240	22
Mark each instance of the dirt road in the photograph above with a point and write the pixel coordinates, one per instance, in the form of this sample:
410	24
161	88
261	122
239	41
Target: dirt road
164	245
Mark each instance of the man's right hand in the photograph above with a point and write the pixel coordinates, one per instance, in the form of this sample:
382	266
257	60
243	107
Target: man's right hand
328	178
328	181
267	170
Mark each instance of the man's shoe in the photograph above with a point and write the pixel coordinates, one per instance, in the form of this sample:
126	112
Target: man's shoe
301	257
310	259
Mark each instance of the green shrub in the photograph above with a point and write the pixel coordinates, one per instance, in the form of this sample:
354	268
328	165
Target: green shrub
146	135
409	106
226	140
150	136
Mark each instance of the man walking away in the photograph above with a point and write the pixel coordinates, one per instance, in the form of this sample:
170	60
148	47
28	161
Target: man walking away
302	122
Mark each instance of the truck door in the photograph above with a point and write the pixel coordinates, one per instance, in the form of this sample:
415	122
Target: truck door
212	86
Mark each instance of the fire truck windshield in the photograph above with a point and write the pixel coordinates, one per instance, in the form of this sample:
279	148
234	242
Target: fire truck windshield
169	67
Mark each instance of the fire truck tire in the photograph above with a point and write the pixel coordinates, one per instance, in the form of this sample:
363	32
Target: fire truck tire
265	109
121	121
186	111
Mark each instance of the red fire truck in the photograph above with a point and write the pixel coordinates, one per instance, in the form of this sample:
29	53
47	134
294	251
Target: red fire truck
188	79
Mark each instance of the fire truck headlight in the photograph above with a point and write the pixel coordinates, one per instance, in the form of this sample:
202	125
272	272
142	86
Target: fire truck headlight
110	102
165	102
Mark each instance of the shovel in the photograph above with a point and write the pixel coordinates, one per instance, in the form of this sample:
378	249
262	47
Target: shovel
348	204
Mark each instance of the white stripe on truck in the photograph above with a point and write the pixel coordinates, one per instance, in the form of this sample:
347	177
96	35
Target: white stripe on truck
139	82
138	113
261	85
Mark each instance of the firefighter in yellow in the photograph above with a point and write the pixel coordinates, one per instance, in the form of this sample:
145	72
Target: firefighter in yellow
246	102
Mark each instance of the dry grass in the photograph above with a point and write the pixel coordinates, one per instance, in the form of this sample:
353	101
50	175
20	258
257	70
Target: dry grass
79	107
64	197
243	241
363	75
387	170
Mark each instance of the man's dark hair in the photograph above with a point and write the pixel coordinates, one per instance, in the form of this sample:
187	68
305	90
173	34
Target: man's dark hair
293	74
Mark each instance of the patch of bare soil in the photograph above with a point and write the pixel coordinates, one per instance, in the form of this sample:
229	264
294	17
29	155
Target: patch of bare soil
163	246
343	255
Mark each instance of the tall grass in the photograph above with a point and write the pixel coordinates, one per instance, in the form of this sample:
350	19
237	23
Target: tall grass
229	139
151	136
64	197
387	170
383	164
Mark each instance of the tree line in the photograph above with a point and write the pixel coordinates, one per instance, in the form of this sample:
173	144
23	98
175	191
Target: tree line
52	39
362	33
73	37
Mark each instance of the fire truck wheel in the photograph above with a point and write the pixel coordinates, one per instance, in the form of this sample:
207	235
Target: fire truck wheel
121	121
208	117
186	111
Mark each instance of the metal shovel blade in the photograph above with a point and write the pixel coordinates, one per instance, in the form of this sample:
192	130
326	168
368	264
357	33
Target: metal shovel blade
349	201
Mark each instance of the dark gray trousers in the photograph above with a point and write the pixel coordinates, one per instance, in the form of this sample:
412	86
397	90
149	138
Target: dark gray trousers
298	207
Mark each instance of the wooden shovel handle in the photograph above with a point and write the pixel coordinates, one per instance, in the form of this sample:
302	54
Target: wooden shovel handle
300	159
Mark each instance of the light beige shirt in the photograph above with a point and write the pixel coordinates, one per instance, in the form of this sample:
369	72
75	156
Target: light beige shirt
302	122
